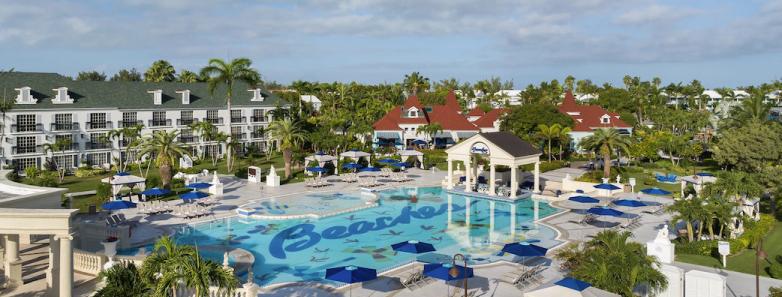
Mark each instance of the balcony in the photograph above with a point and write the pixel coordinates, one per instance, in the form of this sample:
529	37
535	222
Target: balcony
64	126
99	125
128	124
257	119
257	135
26	128
97	145
160	123
186	122
123	143
33	149
239	136
214	121
188	139
238	120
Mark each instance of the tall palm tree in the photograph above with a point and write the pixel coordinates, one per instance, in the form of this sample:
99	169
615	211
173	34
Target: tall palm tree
199	274
59	145
606	141
414	82
166	148
232	148
687	210
160	71
206	132
123	280
563	137
132	135
430	130
288	135
549	133
218	72
110	137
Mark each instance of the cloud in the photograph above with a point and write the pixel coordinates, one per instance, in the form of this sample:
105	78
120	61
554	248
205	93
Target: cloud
654	14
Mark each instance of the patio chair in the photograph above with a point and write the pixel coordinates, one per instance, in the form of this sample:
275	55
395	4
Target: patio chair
410	281
586	219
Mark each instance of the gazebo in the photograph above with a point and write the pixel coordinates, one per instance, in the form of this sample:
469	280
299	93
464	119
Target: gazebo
321	158
119	181
412	153
500	148
355	155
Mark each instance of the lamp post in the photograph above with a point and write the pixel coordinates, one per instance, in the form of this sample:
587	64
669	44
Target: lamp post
453	272
759	254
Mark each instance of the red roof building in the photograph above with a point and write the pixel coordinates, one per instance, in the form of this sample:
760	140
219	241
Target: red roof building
588	118
400	126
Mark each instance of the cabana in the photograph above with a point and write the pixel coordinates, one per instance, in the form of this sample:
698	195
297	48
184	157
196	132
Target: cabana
500	148
119	181
697	181
321	158
355	155
412	153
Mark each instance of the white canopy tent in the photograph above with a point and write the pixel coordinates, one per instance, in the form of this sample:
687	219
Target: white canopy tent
119	181
412	153
355	155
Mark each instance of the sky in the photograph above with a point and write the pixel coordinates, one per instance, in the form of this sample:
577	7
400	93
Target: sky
719	42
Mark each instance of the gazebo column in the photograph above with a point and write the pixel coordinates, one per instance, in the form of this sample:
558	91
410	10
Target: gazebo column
514	184
492	177
66	266
536	182
467	176
449	186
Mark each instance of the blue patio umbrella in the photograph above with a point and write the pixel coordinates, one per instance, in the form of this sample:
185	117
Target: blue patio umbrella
155	192
524	249
388	161
413	246
117	205
194	195
198	185
316	169
655	191
605	211
629	203
442	271
420	142
351	274
351	166
583	199
122	173
370	169
609	187
572	283
400	164
704	174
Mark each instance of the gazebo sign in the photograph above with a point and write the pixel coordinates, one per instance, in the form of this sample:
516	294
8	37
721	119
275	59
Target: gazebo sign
479	148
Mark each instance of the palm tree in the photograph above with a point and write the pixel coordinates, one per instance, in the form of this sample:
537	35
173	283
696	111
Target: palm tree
199	274
132	136
430	130
123	280
752	109
687	210
59	145
549	133
232	148
160	71
218	72
288	136
207	133
415	81
606	141
562	138
167	150
114	134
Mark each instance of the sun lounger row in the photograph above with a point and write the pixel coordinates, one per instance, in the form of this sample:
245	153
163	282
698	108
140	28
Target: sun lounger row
191	211
414	280
153	207
657	210
385	172
118	219
316	182
399	177
350	177
630	224
368	182
524	277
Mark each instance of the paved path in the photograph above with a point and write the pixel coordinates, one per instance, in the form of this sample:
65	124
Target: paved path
739	284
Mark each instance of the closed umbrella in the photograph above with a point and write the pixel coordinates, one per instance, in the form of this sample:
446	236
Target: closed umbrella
413	246
350	275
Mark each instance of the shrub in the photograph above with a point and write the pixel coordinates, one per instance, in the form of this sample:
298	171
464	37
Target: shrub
47	179
31	172
547	166
177	183
191	170
103	190
153	181
775	292
700	247
13	176
738	244
87	172
241	172
775	270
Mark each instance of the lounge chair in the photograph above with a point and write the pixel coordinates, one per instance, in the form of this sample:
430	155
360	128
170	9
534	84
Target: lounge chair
586	219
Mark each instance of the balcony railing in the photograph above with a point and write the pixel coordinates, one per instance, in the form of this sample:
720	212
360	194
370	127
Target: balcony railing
257	119
238	136
127	124
33	149
64	126
15	128
215	121
160	123
238	120
185	122
125	142
99	125
97	145
257	135
188	139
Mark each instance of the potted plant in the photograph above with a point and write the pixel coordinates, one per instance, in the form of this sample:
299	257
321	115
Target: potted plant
110	250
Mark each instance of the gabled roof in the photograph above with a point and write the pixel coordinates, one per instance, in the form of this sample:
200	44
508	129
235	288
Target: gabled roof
449	119
511	144
447	115
488	119
587	117
451	101
413	101
476	112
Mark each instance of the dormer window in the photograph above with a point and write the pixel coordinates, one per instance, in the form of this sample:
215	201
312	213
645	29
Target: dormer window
157	96
25	97
412	112
61	96
605	119
185	96
257	96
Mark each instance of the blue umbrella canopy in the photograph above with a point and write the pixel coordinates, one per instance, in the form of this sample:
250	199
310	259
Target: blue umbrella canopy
583	199
419	142
193	195
122	173
400	164
388	161
606	187
524	249
370	169
573	284
605	211
155	192
316	169
351	166
704	174
117	204
351	274
629	203
198	185
413	246
442	271
655	191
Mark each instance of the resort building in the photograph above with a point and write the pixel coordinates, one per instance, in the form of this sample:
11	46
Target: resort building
312	99
50	107
588	118
401	126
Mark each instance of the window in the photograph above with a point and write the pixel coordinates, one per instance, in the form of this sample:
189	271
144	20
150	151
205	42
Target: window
97	158
186	136
412	113
211	114
25	122
236	116
98	141
258	115
236	132
65	162
63	121
186	114
98	120
129	119
26	144
24	163
67	137
605	119
159	118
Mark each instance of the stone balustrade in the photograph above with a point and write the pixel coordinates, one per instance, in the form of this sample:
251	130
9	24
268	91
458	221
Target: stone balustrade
88	263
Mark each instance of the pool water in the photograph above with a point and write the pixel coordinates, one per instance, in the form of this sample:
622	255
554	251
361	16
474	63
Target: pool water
302	249
318	203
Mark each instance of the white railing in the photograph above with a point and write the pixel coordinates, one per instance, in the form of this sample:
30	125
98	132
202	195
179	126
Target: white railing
88	263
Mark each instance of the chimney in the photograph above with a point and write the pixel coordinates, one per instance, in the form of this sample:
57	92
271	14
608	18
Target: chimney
257	96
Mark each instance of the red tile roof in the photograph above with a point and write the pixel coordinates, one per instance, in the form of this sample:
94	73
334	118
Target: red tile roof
488	119
450	101
476	112
587	117
447	115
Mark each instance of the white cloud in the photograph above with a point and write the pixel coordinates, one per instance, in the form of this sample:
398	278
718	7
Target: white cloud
654	14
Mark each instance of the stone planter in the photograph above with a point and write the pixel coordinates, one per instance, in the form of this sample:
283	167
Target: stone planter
110	250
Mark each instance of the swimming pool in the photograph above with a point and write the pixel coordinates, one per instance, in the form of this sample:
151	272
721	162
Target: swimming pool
302	249
318	204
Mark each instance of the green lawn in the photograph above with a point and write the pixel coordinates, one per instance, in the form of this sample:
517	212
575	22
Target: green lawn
745	260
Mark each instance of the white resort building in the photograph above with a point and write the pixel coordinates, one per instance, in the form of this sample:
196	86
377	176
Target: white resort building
49	107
